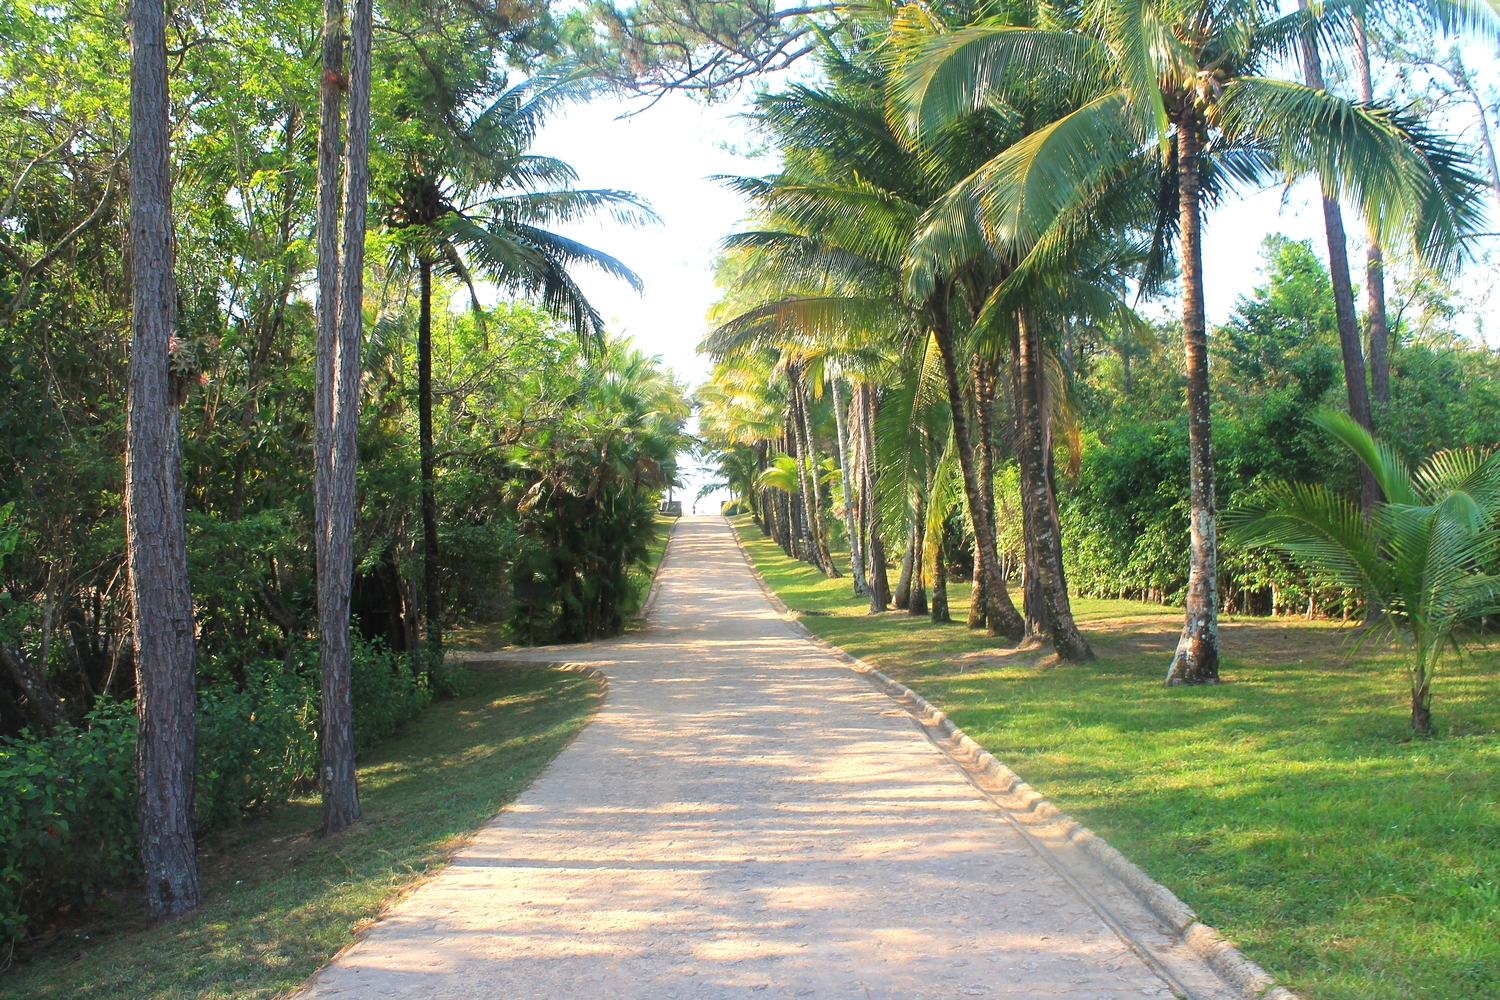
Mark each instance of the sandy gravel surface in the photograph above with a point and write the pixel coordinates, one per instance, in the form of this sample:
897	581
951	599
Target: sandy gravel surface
745	817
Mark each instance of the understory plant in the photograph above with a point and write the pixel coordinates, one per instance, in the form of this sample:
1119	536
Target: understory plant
1422	556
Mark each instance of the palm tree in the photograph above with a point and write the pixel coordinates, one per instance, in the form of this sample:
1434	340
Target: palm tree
839	228
1421	555
482	204
1178	82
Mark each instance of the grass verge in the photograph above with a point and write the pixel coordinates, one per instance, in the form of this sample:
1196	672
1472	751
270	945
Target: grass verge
1289	806
279	900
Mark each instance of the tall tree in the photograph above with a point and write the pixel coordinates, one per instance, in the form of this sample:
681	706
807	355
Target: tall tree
156	535
337	386
1186	73
476	201
1357	391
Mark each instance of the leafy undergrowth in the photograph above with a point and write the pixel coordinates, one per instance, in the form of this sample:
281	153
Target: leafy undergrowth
488	636
1289	806
279	900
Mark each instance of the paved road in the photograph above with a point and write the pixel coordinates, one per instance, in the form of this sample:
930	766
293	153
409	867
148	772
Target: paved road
746	817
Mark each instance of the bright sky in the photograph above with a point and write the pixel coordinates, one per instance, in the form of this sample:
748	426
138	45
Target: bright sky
669	153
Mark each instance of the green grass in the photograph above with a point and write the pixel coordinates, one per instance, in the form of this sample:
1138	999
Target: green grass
279	900
1289	806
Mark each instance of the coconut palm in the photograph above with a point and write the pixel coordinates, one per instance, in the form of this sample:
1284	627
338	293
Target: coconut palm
483	204
1421	555
1177	83
841	216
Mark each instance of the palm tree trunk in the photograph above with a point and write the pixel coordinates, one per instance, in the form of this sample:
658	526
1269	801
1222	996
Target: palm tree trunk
430	564
805	497
856	563
155	532
807	473
338	452
916	603
902	600
879	583
939	610
1197	657
1000	612
1044	559
1343	295
984	412
1379	336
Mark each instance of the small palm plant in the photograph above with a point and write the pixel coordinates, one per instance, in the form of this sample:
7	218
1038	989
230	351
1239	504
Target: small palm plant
1421	556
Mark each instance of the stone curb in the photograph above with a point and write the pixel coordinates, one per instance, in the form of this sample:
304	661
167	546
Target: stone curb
1039	821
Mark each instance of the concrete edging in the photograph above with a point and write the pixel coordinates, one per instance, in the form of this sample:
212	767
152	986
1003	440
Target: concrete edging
1048	828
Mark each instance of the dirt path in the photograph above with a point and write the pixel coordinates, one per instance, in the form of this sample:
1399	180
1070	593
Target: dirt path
745	818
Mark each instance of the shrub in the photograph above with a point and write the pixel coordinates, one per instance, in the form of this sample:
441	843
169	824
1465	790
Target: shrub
67	814
68	798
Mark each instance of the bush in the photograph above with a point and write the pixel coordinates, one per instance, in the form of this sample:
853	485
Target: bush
67	814
68	799
388	689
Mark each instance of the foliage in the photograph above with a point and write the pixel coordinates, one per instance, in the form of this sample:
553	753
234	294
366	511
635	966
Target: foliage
69	814
1421	555
279	900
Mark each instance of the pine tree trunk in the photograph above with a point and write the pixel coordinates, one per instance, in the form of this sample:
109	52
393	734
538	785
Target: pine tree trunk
338	451
1043	546
1380	363
856	563
155	532
430	555
1197	657
1000	613
1357	391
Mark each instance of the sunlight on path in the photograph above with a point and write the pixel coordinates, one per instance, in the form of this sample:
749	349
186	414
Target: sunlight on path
745	818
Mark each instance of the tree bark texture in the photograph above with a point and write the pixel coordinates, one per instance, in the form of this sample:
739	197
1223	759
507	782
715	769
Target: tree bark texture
1379	334
1356	390
1044	549
938	611
916	602
430	556
856	562
807	468
337	426
155	531
877	579
1197	657
1001	614
902	599
984	414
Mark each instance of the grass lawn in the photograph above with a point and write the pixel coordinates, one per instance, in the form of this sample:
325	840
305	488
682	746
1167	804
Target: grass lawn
279	900
1289	806
488	636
